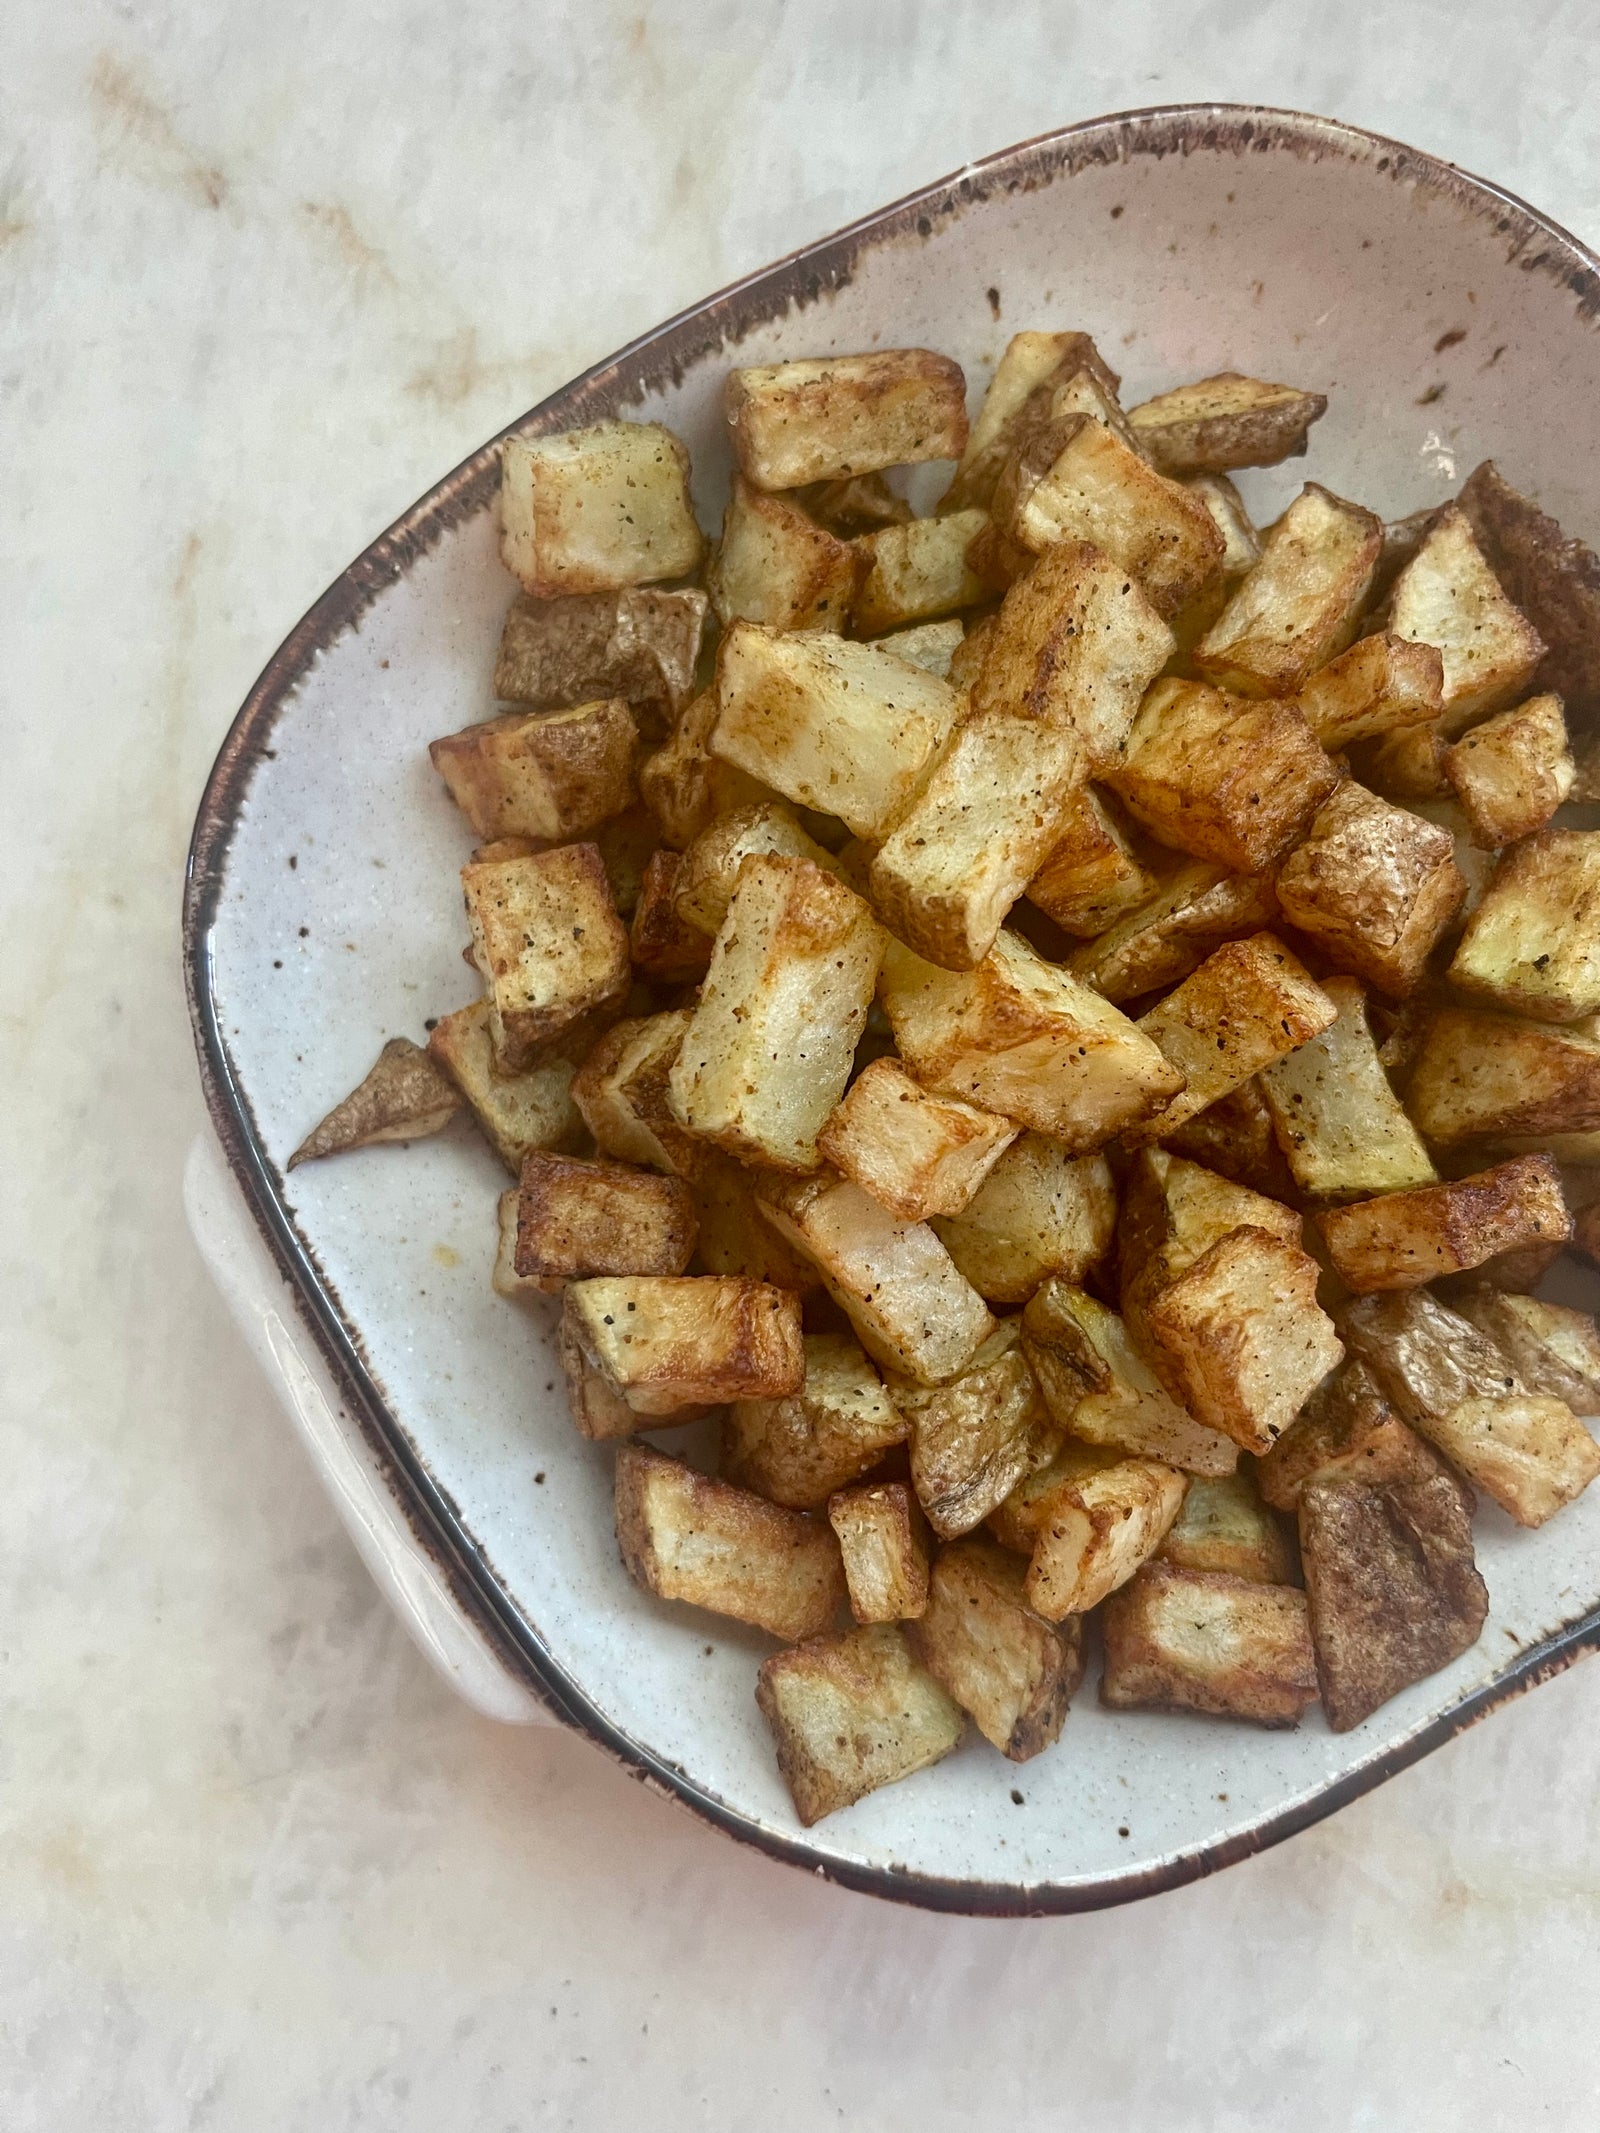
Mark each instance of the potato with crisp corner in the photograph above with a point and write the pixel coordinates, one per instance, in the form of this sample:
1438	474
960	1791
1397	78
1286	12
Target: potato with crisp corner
917	572
1095	1531
1553	578
776	566
711	863
1224	1525
621	1090
577	1218
517	1112
685	787
1337	1119
551	947
1512	772
917	1153
1402	1239
543	774
973	1438
1448	596
1477	1076
1381	685
1161	940
882	1537
1029	370
1347	1431
1224	422
800	1449
831	417
1235	1136
639	643
1041	1211
1092	876
1533	944
404	1097
593	509
660	1346
1299	606
1374	886
1198	1640
1554	1350
1014	1673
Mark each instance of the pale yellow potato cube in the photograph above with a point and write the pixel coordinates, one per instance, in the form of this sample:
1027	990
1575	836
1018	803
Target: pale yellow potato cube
1554	1350
830	417
1040	1211
1336	1116
1478	1076
917	572
712	862
517	1112
1403	1239
685	787
1197	1640
1533	943
882	1536
664	1343
930	645
1513	772
621	1090
1447	595
776	566
1097	1530
552	949
1025	379
1298	607
1223	1525
1381	685
800	1449
1011	1670
917	1153
545	774
597	508
576	1218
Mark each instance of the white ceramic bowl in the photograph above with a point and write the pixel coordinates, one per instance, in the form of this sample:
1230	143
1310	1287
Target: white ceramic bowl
1446	322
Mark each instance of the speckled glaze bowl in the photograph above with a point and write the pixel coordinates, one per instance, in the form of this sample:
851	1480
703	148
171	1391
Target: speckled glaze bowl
1445	321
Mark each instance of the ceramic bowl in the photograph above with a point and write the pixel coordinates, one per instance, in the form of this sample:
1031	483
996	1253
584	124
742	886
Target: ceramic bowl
1445	321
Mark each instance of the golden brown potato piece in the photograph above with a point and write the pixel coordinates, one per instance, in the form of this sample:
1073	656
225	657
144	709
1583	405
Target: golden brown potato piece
663	946
576	1218
916	1153
1458	1388
850	1713
1512	772
517	1112
1241	551
621	1090
551	947
917	572
735	1236
912	1307
593	509
1226	779
642	645
1075	645
1198	907
1393	1587
685	787
973	1439
1012	1671
1020	1037
1298	607
1249	1003
882	1536
1017	1523
1040	1211
661	1345
800	1449
846	728
686	1537
1196	1640
1374	886
1347	1431
1533	943
404	1097
930	645
1554	579
1235	1136
1025	378
544	774
1555	1351
1223	1525
1337	1118
1479	1075
1094	1531
832	417
712	862
1447	595
1092	876
776	566
1406	765
1380	685
1404	1239
1225	422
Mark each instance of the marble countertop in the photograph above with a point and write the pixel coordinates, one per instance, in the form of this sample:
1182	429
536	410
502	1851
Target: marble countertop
264	273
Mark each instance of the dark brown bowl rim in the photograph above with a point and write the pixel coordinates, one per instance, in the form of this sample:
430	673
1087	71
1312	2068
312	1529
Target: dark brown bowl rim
1540	245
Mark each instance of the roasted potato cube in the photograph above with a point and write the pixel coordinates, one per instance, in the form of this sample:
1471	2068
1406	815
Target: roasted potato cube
850	1713
966	661
1012	1671
576	1219
735	1237
1249	1003
1197	1640
973	1439
1096	1532
1092	876
621	1090
776	566
1393	1587
1016	1524
1223	1525
883	1538
1447	595
665	1343
1555	1351
1458	1388
663	946
1075	645
846	728
546	774
1040	1211
1554	580
712	861
1236	1138
929	645
916	572
1018	398
552	950
684	1536
517	1112
1533	943
1096	1384
1374	886
1478	1075
857	504
1161	941
832	417
769	1050
913	1308
1225	422
593	509
1020	1037
1513	772
1347	1431
1298	607
1406	765
800	1449
1174	1210
916	1153
1403	1239
1226	779
974	837
685	787
1380	685
404	1097
1337	1118
643	646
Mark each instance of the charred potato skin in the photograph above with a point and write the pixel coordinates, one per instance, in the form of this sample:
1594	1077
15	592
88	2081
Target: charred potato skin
801	1449
1552	578
403	1097
597	509
640	644
1225	422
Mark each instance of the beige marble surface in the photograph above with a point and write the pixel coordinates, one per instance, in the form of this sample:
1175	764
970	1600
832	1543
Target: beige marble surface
265	271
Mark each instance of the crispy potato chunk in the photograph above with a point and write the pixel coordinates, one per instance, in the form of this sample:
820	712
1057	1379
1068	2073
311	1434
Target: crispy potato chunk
1403	1239
1407	765
1555	1351
1447	595
1020	1037
1092	876
1225	422
517	1112
1393	1587
850	1713
712	861
1458	1388
1335	1113
1380	685
643	646
1347	1431
1236	1138
1017	1523
882	1536
776	566
686	1537
1223	1525
916	572
621	1090
973	1439
916	1153
1249	1003
735	1237
576	1219
769	1050
547	774
1096	1384
1228	780
663	946
1198	907
1018	398
1554	579
551	947
1196	1640
1513	772
1013	1672
974	837
1298	607
832	417
685	787
930	645
404	1097
1040	1211
846	728
593	509
1075	645
1533	943
665	1344
800	1449
1374	886
1095	1532
1478	1075
913	1308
